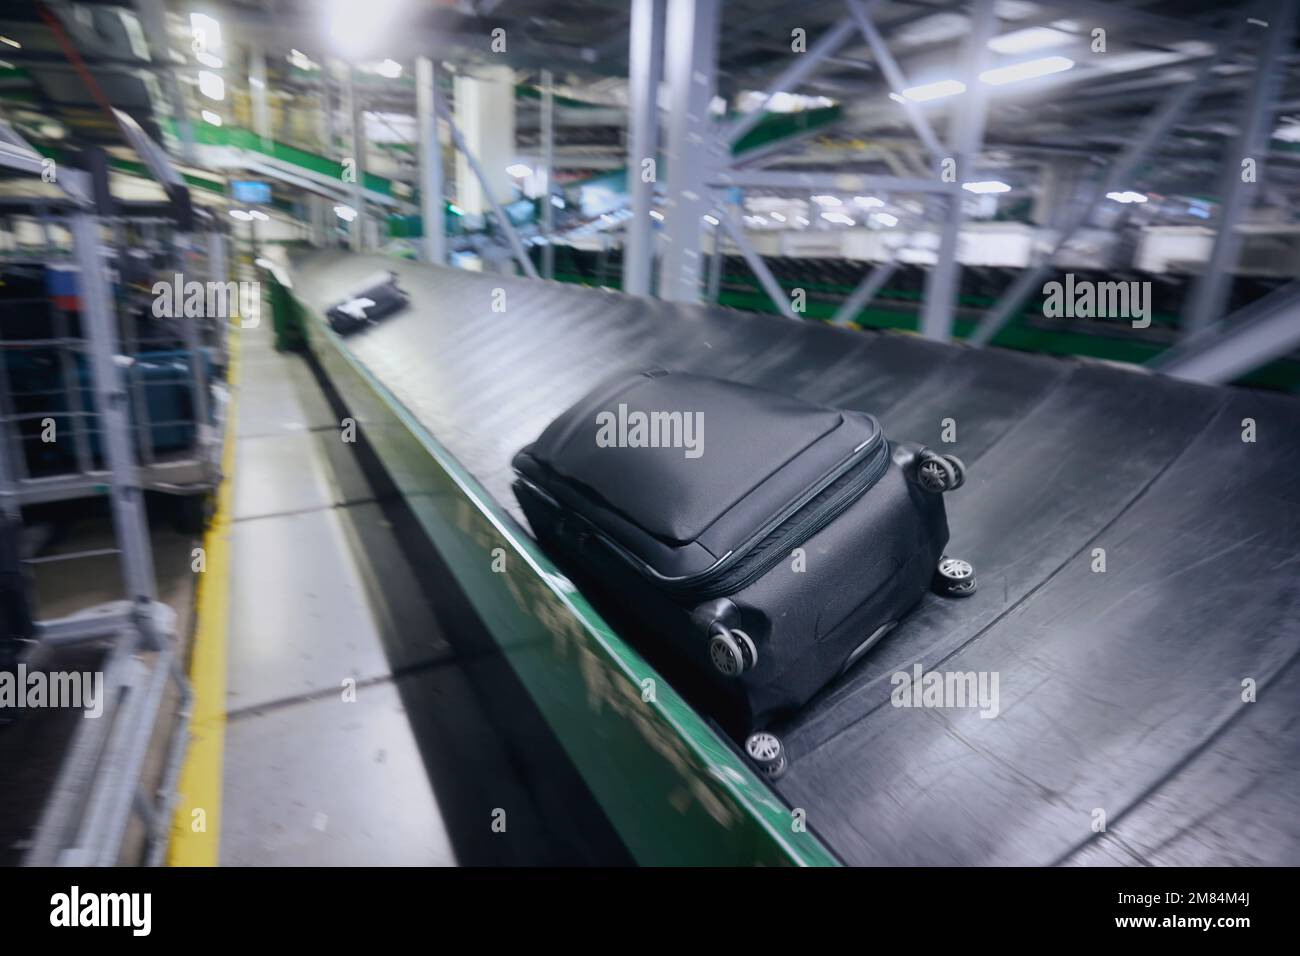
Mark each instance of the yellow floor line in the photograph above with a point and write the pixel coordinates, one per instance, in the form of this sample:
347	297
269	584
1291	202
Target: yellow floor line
196	828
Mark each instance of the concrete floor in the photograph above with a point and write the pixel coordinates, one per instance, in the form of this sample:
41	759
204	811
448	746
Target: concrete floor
322	594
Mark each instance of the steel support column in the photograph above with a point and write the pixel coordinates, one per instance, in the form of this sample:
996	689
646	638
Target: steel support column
432	204
690	65
357	227
257	88
548	172
644	72
100	329
1209	297
968	113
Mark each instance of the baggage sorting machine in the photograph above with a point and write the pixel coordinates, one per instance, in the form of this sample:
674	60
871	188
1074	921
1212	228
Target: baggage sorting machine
1133	553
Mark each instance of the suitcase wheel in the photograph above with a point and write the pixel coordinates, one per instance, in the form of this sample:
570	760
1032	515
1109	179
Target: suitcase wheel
954	577
936	474
731	651
959	467
767	752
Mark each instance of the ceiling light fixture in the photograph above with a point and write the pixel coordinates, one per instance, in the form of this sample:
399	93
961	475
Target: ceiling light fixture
1028	70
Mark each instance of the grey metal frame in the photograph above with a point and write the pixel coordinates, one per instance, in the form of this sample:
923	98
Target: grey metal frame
1213	286
1169	112
100	783
645	69
1266	329
432	204
690	65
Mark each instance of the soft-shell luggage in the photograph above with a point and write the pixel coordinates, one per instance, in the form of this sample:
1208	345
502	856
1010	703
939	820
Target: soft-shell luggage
377	297
769	542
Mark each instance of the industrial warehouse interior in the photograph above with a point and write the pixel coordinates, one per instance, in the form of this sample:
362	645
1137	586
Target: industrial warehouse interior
610	433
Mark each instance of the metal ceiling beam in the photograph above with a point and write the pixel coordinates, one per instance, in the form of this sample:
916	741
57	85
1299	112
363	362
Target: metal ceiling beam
894	75
829	181
801	67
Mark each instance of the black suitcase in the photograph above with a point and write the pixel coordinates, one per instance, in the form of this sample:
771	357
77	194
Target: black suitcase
377	297
768	541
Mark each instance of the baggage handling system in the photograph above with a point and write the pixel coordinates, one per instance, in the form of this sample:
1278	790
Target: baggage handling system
1131	649
173	356
116	777
718	546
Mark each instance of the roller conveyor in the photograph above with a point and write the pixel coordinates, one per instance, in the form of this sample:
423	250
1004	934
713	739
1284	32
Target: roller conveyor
1121	690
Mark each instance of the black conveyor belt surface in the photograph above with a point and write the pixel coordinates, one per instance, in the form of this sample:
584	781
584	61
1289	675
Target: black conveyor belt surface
1121	690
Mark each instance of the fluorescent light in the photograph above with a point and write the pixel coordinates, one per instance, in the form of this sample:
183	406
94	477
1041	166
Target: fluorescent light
986	186
778	217
519	171
1126	197
12	42
203	26
300	60
389	68
1028	40
258	215
884	218
656	214
207	59
345	212
837	217
868	202
800	221
827	200
931	91
557	202
1027	70
212	85
711	220
243	215
211	117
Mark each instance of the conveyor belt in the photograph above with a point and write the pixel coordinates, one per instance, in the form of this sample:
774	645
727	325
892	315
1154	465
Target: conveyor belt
1121	691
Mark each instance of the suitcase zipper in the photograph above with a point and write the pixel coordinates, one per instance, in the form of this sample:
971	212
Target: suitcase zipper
737	574
873	454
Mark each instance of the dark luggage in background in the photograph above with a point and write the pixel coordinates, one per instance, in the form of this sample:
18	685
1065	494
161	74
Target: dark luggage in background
770	542
377	297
